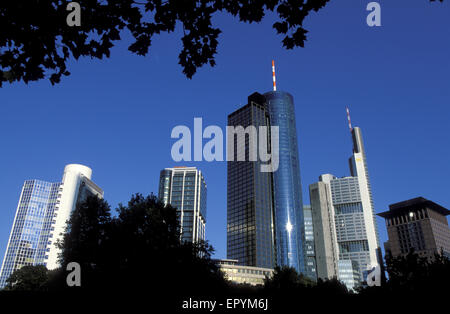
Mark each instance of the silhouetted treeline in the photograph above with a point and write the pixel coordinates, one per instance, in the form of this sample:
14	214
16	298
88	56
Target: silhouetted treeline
414	275
137	257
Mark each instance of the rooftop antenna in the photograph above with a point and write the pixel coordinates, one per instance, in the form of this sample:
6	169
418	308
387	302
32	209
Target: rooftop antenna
351	130
349	121
273	76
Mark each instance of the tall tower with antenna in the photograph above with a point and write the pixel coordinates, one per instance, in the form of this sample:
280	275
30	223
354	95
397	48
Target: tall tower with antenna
358	168
343	207
265	225
288	201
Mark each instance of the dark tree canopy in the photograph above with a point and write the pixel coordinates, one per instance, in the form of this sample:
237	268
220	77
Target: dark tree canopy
27	278
412	275
288	279
88	235
139	249
137	255
36	42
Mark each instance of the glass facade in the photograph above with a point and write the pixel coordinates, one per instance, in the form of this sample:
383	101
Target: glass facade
41	217
265	214
185	189
288	203
33	227
309	243
351	233
250	238
348	273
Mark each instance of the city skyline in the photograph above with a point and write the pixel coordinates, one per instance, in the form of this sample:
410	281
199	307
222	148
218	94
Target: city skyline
403	112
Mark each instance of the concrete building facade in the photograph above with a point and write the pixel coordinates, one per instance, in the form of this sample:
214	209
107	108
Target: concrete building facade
417	224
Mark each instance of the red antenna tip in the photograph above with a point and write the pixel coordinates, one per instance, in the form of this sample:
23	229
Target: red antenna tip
273	76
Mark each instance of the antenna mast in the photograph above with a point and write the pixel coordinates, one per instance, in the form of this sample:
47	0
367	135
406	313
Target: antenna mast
349	121
273	76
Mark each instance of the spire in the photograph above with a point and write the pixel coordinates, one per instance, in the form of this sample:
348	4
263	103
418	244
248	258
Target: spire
349	121
351	130
358	146
273	76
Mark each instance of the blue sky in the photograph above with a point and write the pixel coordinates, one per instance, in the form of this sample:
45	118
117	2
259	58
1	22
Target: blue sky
116	115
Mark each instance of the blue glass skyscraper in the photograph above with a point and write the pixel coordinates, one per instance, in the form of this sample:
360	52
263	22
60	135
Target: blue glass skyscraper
32	225
287	189
265	224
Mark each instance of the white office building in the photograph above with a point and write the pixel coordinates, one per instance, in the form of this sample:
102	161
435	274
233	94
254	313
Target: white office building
345	228
76	186
40	219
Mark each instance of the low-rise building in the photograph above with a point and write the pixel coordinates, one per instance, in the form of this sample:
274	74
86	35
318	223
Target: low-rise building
243	274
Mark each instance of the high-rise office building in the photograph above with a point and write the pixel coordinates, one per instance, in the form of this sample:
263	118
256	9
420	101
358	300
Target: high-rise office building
310	253
185	189
41	217
265	210
417	224
348	273
76	186
250	235
343	211
288	203
325	243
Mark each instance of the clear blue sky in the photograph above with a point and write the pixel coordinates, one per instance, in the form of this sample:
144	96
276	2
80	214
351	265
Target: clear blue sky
116	115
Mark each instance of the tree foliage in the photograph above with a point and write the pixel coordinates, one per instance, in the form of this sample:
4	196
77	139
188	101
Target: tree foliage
139	251
27	278
414	274
36	41
286	278
140	246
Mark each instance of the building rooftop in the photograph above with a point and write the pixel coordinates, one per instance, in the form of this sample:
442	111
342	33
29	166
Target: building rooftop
401	208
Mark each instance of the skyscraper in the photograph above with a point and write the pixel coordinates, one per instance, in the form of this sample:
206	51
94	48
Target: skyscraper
310	254
185	189
417	224
265	211
288	203
343	210
76	186
41	217
250	224
325	243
